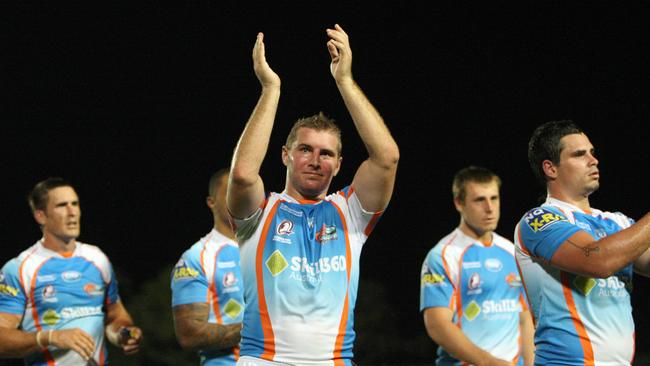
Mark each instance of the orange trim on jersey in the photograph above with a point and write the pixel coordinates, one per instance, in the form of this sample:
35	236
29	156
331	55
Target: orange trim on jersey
66	254
307	202
267	327
577	322
338	346
459	303
213	289
102	357
371	224
446	267
235	351
37	324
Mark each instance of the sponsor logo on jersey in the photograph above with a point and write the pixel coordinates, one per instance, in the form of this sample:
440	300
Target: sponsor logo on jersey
229	279
499	309
80	311
8	290
472	310
183	273
541	218
232	309
472	265
500	306
290	210
93	289
49	293
323	265
326	233
432	279
513	280
276	263
46	278
285	227
71	276
226	264
493	265
51	317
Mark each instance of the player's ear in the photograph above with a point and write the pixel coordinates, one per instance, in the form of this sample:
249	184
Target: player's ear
550	170
40	217
285	156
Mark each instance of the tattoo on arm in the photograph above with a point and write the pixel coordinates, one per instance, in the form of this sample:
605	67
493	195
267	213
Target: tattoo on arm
194	332
586	250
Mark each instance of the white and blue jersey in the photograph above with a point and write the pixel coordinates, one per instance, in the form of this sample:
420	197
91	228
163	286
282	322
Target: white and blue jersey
209	272
300	262
579	320
480	284
54	291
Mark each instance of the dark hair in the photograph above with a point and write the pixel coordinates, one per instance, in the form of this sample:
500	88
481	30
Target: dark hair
471	173
318	122
38	196
545	144
215	181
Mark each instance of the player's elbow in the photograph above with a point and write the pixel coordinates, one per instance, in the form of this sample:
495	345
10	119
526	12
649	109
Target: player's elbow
388	158
186	341
241	177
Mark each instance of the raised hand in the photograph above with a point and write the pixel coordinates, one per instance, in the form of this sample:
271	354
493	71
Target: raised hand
264	73
341	54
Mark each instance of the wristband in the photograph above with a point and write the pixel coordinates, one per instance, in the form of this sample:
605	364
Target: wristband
38	339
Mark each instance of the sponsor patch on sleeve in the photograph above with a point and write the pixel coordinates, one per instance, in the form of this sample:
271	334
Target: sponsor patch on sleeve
541	218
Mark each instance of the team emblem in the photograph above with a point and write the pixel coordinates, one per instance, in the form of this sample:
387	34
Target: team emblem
474	281
285	228
229	279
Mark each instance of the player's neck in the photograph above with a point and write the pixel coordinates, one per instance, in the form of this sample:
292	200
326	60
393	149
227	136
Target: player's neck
300	197
579	200
483	237
59	245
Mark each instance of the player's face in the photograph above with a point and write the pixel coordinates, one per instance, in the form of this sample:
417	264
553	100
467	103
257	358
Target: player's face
219	207
578	168
311	162
62	215
481	208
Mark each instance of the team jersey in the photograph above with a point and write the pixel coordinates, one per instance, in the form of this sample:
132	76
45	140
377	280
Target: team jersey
579	320
300	262
52	291
480	283
208	272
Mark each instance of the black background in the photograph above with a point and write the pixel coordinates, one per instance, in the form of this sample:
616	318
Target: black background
137	104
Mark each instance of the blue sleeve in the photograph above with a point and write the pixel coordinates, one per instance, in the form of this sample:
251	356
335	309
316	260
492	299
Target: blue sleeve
436	288
542	231
112	294
188	281
12	297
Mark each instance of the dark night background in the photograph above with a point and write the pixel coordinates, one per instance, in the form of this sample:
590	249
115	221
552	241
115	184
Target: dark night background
137	104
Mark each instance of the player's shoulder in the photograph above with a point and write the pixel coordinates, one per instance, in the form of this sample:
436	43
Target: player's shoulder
540	217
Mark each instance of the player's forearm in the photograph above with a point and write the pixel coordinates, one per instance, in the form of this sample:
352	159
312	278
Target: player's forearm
15	343
527	330
382	148
624	247
209	336
253	143
454	341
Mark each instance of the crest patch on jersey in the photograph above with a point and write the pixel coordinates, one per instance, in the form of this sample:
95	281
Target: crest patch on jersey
541	218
